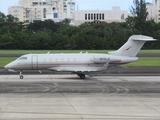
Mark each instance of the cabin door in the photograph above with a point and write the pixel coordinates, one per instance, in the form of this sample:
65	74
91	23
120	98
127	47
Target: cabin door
34	62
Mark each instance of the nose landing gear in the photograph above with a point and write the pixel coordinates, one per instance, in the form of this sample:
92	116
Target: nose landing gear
21	76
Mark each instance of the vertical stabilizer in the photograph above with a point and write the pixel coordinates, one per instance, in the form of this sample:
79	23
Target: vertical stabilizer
132	46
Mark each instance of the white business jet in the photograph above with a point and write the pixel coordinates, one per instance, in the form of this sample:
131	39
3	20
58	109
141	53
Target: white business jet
81	63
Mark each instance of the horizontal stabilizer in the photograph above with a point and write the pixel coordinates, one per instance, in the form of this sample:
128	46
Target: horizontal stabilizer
132	46
142	38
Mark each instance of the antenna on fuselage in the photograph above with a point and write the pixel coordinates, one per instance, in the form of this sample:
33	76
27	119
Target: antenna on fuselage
48	52
81	52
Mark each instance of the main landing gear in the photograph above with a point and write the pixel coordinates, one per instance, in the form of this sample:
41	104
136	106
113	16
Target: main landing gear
82	76
21	76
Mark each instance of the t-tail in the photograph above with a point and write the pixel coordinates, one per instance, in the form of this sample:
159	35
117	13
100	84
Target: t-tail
132	46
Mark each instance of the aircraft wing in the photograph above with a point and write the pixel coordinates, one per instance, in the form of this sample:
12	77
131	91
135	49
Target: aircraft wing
81	69
105	66
73	69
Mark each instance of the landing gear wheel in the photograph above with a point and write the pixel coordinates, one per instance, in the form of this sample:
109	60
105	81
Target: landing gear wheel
82	76
21	77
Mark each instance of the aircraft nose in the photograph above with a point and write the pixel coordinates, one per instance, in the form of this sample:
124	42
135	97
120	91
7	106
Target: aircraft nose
8	66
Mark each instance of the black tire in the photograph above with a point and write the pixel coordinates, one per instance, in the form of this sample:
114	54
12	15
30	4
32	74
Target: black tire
82	76
21	77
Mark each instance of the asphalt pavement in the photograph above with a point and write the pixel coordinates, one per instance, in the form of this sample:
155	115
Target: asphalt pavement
118	71
66	97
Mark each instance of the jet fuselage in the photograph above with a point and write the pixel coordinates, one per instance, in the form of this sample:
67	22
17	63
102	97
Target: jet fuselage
61	61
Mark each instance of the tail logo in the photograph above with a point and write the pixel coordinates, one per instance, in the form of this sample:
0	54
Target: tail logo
128	48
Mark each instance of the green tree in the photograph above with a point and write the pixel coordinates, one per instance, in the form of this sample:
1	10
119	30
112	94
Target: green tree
2	17
65	22
6	41
140	13
11	18
39	26
130	21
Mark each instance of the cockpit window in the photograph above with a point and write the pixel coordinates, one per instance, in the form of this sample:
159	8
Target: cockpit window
22	58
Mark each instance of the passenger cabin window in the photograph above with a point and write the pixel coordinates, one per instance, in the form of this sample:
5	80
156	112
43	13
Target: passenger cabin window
22	58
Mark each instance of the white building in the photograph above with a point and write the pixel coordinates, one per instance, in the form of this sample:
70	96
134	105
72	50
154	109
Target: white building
114	15
154	10
61	9
30	10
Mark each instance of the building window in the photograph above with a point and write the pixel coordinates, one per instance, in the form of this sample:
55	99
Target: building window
100	17
156	2
88	16
91	16
85	16
97	17
55	15
122	17
35	3
44	12
103	16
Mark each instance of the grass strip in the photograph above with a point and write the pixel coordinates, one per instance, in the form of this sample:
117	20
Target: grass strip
53	51
146	61
65	51
6	60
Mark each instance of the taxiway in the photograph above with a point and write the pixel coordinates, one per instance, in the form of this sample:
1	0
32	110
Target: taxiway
66	97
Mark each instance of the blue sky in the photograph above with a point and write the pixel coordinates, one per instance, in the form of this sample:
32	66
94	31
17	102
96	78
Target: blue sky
82	4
